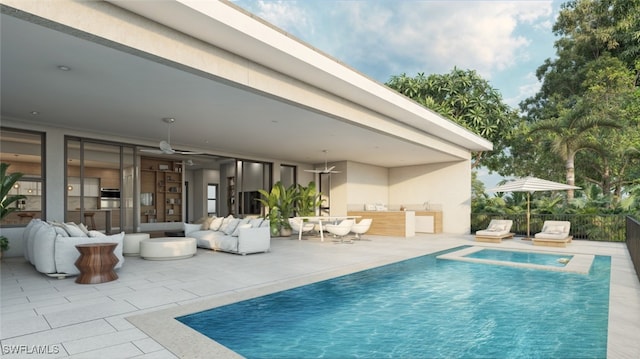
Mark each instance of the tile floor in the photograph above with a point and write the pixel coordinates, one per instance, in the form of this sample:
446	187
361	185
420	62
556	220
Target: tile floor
44	317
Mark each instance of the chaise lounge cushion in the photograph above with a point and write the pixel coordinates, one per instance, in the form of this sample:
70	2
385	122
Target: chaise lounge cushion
496	228
554	230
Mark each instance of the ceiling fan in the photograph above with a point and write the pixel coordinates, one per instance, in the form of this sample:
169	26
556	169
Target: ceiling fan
326	168
165	146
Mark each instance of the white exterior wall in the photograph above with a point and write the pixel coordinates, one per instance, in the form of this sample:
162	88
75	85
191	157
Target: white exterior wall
445	184
367	184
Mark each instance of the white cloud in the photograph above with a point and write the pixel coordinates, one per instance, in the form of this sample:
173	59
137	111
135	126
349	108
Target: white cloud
385	38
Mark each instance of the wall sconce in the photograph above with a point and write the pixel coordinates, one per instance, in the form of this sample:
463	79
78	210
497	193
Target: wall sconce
69	188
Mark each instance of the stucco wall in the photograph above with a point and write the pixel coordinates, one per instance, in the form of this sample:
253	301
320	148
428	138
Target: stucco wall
446	184
367	184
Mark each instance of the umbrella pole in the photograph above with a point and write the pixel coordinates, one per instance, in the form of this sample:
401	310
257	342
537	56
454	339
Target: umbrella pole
528	215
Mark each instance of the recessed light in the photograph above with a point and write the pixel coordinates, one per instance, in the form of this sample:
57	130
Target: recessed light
64	68
34	113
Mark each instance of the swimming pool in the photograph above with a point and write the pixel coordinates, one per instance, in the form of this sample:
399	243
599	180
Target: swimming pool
423	307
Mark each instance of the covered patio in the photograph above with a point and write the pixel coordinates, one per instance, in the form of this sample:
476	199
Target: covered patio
93	321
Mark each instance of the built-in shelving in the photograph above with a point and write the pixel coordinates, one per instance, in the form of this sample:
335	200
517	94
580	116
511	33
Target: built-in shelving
160	190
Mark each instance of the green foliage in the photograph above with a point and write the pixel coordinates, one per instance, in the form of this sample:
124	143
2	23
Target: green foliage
282	203
467	99
586	115
308	200
7	180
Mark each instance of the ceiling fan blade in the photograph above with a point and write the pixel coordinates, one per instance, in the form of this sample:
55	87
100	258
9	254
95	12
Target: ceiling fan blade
314	171
188	153
148	150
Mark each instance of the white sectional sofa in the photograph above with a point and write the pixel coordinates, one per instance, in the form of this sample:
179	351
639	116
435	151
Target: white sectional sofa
51	247
233	235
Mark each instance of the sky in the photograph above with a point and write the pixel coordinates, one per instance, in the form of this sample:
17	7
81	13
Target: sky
503	41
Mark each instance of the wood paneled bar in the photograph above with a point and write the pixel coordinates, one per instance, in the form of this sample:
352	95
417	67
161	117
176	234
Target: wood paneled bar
389	223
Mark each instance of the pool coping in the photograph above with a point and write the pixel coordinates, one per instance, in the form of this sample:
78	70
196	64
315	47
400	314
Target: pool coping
580	263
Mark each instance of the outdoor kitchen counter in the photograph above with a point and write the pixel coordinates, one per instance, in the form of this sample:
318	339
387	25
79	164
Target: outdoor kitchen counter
389	223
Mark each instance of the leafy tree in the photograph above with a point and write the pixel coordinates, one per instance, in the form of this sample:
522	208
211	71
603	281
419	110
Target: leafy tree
467	99
588	93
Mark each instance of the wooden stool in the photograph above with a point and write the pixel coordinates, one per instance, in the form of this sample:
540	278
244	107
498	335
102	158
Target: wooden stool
90	216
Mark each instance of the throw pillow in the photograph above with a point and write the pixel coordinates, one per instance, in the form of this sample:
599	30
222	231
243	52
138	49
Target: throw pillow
230	226
216	224
256	222
84	229
73	230
236	232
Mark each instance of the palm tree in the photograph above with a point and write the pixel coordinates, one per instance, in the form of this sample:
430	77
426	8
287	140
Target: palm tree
571	131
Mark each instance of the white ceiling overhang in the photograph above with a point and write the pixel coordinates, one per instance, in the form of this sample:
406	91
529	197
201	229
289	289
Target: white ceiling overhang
234	83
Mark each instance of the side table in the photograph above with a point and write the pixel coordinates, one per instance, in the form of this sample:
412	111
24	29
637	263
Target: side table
96	263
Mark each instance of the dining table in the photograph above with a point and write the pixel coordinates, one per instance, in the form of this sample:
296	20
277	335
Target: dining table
319	220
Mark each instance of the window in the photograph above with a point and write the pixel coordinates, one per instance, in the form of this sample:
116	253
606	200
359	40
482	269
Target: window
24	152
288	175
212	197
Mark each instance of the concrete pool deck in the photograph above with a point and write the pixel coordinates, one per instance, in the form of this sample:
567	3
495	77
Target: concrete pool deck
132	316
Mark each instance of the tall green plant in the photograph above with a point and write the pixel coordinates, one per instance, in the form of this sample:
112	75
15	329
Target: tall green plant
308	200
279	203
6	184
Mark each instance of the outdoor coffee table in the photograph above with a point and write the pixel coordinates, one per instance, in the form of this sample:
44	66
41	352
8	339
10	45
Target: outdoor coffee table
96	263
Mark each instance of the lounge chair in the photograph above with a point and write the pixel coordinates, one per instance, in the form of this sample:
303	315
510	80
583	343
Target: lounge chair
306	227
497	230
554	234
340	230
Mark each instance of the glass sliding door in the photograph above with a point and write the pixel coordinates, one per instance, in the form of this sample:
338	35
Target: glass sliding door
100	183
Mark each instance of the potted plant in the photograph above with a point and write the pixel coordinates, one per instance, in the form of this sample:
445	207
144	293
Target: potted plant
308	200
6	184
270	202
279	203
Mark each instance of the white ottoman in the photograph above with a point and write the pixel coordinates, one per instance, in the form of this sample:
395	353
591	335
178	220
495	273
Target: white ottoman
131	243
167	248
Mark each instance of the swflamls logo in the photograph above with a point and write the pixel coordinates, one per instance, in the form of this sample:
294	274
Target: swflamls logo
30	349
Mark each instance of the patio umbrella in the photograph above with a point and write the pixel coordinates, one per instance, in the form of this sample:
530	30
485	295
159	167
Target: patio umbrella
530	185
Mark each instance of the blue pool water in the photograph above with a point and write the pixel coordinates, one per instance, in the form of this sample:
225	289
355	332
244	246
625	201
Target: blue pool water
555	260
423	308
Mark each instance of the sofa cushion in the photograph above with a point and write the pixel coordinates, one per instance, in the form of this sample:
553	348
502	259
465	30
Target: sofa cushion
205	222
26	236
66	252
206	239
230	226
43	247
73	230
84	229
216	224
256	222
236	232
